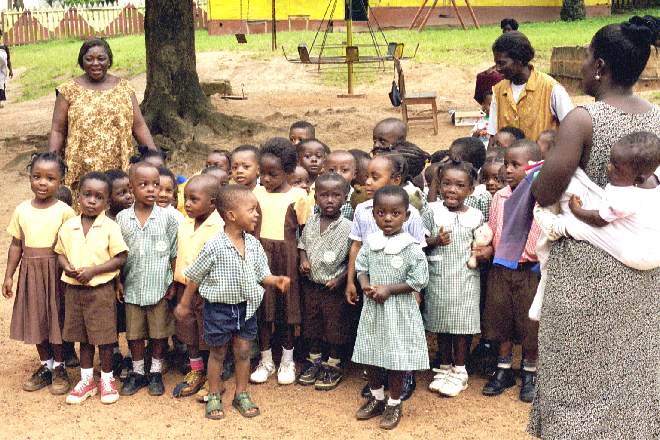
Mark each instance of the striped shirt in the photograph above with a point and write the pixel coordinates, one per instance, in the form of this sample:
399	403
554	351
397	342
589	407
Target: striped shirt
151	249
327	251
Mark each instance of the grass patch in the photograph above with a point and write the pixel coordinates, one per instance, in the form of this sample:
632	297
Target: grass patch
49	64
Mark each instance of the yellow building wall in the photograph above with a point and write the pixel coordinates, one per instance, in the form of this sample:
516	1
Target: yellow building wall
262	9
510	3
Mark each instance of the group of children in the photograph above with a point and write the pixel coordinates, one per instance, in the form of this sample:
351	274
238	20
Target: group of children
266	244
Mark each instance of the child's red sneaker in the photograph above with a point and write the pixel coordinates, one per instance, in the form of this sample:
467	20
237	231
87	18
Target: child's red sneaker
80	393
108	390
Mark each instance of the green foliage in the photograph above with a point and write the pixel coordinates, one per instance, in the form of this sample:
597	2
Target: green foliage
573	10
89	2
49	64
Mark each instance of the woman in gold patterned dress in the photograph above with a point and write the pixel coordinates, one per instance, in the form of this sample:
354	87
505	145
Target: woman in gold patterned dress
95	116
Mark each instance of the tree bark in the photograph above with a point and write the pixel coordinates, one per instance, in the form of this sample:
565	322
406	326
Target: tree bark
173	100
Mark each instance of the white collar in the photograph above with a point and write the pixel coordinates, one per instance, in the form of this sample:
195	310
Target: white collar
471	218
390	244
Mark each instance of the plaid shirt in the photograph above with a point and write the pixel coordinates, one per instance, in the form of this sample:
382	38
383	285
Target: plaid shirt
225	277
151	249
327	251
496	222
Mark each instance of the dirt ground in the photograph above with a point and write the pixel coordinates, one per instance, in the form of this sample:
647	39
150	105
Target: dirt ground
279	94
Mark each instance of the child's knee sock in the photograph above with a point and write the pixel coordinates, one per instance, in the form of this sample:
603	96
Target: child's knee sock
529	366
48	363
267	356
504	362
86	374
156	365
287	355
379	394
138	367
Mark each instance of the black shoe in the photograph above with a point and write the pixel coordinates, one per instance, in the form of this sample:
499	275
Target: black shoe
528	387
117	362
156	387
502	379
372	408
311	372
133	383
329	378
409	385
483	359
391	417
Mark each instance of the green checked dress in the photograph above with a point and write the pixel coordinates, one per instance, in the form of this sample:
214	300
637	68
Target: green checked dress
451	299
391	335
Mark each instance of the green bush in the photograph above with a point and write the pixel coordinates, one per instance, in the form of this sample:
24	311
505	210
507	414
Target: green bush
573	10
89	2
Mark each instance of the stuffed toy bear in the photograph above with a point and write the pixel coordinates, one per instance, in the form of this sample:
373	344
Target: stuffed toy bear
483	236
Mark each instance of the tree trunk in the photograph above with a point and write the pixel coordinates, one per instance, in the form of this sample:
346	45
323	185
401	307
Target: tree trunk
174	102
572	10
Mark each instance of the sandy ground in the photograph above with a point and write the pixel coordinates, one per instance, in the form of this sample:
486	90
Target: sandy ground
279	93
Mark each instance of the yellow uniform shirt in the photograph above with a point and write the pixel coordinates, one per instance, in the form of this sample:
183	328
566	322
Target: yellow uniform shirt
190	241
38	227
274	207
102	243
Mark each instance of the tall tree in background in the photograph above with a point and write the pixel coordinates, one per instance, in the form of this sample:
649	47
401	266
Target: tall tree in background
572	10
174	102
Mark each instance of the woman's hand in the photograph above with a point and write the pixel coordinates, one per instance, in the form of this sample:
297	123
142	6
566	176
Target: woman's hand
7	288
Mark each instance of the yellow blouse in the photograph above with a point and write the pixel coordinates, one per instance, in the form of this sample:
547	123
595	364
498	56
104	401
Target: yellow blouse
38	227
103	242
191	241
274	207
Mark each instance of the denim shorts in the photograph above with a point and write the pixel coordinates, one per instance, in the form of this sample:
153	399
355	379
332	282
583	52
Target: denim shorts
224	321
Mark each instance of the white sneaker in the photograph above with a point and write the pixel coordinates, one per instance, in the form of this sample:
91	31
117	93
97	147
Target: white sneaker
439	378
454	383
286	374
263	372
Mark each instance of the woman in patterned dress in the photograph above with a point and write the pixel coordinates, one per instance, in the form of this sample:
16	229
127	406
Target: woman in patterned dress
95	116
599	339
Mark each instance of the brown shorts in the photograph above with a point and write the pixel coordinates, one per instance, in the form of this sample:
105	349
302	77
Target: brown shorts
154	322
90	314
191	330
325	314
506	315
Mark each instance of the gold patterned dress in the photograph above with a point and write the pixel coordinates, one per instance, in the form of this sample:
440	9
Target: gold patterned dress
99	132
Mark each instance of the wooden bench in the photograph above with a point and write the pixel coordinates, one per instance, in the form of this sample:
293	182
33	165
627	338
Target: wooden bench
422	98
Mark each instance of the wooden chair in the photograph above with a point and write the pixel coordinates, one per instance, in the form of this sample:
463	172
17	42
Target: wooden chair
423	98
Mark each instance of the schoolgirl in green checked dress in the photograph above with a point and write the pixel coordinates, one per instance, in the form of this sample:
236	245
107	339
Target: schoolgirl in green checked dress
451	299
391	266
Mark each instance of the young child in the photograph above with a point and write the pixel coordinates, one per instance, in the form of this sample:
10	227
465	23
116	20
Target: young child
5	71
300	179
219	173
388	133
391	266
324	247
491	176
362	159
91	251
505	137
621	219
202	224
245	166
546	141
229	273
384	170
168	192
281	209
33	227
150	233
343	163
220	159
451	299
311	156
416	159
480	129
70	358
511	291
301	131
121	198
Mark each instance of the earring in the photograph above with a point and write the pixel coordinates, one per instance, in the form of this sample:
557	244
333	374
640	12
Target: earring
597	76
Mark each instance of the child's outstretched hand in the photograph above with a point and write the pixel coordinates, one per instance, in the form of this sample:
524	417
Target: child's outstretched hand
574	203
182	311
7	288
282	283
